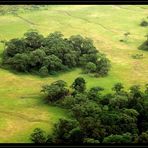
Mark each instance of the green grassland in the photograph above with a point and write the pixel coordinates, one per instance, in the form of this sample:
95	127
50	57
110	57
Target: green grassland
22	107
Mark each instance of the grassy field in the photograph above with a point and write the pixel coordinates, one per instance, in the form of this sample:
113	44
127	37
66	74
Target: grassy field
21	104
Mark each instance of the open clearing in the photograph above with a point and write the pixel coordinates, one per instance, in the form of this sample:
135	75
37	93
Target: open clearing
21	105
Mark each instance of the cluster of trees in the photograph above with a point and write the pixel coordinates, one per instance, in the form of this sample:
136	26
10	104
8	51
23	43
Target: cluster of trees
8	9
117	117
48	55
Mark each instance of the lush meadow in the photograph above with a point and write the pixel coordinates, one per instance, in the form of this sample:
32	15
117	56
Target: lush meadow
22	107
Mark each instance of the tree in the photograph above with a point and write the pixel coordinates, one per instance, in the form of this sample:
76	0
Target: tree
71	101
14	46
143	138
125	138
118	102
103	65
38	136
33	39
67	131
20	62
56	91
53	63
90	67
94	93
43	71
36	58
92	127
135	91
79	84
118	87
86	109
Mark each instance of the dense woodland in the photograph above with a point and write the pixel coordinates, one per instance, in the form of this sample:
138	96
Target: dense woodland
49	55
118	117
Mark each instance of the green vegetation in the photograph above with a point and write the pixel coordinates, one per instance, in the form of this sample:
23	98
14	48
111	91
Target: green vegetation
22	105
144	23
53	54
121	119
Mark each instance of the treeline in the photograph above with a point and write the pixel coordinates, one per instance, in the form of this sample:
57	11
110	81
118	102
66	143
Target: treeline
10	9
49	55
118	117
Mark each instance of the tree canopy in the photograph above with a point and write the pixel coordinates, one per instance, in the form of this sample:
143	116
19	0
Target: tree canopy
49	55
117	117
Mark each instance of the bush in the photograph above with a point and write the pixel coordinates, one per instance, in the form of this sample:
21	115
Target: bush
38	136
125	138
144	23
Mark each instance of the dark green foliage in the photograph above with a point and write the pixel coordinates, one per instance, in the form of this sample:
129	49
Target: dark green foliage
54	52
90	67
117	87
94	93
79	84
67	131
112	139
33	40
143	138
103	66
38	136
20	62
43	71
86	109
71	101
55	91
120	117
144	23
